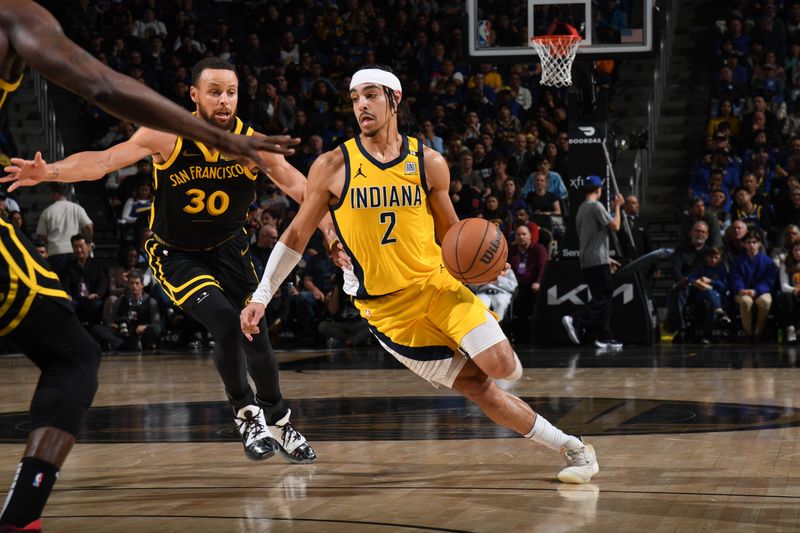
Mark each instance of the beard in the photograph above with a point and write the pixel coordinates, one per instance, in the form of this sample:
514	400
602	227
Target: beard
210	116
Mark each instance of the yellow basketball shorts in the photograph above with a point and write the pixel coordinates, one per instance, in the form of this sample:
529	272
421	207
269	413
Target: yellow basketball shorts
424	324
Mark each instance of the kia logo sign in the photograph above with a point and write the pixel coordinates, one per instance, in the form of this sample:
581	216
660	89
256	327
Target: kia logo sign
587	130
573	296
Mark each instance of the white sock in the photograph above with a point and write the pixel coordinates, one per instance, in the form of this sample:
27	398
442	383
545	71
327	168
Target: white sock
548	435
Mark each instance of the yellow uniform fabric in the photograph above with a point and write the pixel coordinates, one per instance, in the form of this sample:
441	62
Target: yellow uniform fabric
426	320
413	305
383	219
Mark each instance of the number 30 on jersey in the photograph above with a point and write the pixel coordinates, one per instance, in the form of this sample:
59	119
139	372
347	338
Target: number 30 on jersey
216	203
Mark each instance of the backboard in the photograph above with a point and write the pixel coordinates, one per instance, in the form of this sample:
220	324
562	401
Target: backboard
502	29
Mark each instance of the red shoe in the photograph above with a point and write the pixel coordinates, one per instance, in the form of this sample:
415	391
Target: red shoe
33	527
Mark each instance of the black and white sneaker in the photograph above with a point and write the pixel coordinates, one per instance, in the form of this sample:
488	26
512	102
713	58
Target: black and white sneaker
568	324
608	344
291	443
257	441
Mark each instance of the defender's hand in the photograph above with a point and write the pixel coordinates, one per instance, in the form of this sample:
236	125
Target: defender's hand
250	147
25	173
249	319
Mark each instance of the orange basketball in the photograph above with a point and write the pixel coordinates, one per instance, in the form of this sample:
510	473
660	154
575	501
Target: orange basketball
474	251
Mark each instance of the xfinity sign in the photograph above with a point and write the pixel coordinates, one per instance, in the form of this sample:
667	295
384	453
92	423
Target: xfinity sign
573	296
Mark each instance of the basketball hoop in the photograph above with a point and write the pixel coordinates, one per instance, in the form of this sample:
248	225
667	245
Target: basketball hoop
557	53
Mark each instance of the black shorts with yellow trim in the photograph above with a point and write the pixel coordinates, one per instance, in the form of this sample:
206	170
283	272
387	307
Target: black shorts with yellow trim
184	274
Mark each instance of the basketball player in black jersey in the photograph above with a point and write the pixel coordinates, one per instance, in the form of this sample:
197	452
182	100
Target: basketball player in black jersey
199	249
66	355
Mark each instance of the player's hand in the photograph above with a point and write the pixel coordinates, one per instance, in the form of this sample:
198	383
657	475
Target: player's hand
340	257
25	172
249	319
250	147
615	265
505	270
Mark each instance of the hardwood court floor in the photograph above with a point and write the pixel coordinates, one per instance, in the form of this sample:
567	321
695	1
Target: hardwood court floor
688	439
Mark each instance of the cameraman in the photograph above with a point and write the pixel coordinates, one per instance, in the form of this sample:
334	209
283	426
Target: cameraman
136	319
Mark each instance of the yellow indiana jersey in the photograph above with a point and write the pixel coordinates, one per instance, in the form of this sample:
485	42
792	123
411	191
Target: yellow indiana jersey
23	275
384	221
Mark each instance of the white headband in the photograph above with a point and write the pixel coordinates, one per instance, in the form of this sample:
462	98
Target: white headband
374	75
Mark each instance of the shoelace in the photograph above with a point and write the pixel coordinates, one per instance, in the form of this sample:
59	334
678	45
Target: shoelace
252	426
289	434
577	457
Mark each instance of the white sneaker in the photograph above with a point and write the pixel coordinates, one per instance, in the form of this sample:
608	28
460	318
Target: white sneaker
291	443
567	322
581	465
791	334
258	444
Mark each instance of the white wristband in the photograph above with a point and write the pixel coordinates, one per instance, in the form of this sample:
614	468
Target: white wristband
281	262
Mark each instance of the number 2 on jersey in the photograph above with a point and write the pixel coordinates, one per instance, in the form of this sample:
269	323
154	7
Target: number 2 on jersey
388	217
216	204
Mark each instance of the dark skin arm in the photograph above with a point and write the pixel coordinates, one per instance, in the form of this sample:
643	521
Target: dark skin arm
34	35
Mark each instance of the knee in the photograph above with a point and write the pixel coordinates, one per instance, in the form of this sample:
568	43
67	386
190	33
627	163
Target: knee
499	363
474	387
764	301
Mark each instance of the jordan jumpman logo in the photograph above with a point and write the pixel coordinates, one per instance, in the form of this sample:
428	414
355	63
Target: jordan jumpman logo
359	173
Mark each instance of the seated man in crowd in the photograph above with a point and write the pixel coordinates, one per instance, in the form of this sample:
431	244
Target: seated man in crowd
753	276
709	280
684	260
697	213
135	319
86	281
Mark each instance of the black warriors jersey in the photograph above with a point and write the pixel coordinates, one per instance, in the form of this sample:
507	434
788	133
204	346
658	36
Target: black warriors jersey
201	198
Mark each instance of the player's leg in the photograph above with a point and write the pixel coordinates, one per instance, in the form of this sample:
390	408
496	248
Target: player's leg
216	313
235	272
490	354
263	367
188	280
68	358
512	412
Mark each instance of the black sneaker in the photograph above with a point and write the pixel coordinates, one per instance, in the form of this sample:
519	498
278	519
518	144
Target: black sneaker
257	441
291	443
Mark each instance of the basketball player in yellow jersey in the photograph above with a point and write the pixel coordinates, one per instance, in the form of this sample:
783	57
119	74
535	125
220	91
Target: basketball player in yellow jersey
390	204
199	249
31	299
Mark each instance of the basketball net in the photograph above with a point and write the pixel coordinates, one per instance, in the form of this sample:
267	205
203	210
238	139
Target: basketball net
557	52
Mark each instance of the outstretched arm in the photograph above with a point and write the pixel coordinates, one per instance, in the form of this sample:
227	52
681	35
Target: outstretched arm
287	251
293	184
38	39
87	166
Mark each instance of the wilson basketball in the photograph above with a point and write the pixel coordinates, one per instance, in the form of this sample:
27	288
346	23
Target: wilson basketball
474	251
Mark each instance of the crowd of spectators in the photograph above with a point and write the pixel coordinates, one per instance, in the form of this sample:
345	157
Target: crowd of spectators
740	229
504	135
